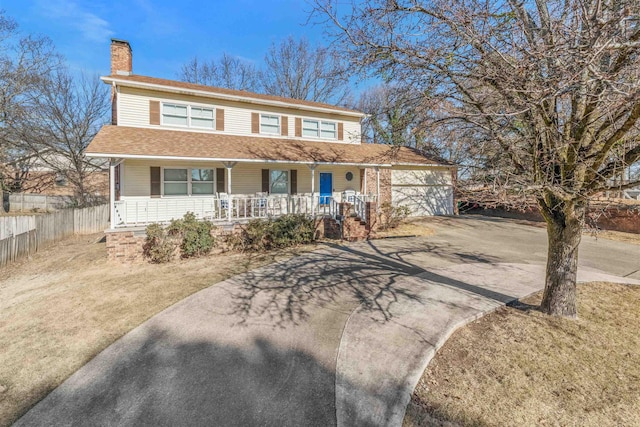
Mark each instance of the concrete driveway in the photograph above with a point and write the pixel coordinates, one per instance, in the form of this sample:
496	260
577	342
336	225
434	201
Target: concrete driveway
338	336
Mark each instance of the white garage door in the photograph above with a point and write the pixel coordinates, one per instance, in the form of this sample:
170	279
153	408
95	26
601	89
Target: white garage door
424	192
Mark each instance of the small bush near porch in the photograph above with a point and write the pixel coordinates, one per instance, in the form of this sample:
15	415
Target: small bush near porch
191	235
265	234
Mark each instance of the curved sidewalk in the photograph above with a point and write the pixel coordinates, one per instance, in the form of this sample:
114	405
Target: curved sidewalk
382	358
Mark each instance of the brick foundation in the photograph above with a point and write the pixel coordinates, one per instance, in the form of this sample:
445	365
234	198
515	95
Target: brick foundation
125	246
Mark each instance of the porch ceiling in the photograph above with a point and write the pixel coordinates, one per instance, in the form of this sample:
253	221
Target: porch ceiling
130	142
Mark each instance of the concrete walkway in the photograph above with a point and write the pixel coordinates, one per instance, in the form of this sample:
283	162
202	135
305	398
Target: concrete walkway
338	336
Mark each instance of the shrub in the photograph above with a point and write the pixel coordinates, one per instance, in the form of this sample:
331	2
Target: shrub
391	216
195	235
265	234
159	247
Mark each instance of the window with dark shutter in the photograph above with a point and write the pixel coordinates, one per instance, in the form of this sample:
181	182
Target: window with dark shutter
220	187
265	180
284	127
294	181
340	131
156	182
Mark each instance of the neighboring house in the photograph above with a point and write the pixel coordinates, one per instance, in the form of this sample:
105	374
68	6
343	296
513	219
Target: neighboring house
230	155
47	173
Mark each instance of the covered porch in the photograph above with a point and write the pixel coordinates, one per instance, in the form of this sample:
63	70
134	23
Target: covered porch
145	191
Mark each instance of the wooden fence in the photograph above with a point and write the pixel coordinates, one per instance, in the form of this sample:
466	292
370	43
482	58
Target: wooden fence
24	235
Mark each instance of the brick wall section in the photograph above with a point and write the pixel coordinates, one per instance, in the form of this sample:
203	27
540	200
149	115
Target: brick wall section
371	209
620	218
385	184
124	246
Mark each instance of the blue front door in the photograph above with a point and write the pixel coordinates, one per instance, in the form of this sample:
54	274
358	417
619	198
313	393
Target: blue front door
326	187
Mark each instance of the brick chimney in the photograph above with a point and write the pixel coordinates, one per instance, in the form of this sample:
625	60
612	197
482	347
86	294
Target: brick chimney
121	58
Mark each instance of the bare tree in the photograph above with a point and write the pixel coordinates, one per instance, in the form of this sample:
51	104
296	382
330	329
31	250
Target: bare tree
295	69
59	122
392	116
550	89
228	72
25	62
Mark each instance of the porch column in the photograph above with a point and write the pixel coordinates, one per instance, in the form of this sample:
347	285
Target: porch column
313	188
364	183
378	188
229	166
112	190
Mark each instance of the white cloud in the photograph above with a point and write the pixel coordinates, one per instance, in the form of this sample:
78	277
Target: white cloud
90	25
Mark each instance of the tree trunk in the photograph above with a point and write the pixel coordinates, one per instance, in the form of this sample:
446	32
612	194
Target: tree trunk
564	231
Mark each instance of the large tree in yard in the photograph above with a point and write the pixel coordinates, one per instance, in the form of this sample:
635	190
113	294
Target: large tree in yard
550	88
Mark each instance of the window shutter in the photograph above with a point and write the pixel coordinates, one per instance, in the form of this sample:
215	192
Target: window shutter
154	112
255	123
220	187
284	126
340	131
156	183
298	126
219	119
294	181
265	180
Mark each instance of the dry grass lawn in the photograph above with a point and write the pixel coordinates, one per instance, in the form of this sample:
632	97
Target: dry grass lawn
616	235
522	368
410	227
67	303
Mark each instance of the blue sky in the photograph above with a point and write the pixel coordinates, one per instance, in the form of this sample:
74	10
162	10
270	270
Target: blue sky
163	34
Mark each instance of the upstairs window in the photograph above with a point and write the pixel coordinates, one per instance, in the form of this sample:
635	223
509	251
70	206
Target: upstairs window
328	130
269	124
310	128
188	116
202	117
319	129
173	114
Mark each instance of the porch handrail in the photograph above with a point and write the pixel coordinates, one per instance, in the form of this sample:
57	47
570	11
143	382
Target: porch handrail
141	212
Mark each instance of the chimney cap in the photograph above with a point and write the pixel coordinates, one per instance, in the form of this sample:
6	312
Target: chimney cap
120	41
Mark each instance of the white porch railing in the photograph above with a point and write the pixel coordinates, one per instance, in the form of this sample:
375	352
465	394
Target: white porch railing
129	213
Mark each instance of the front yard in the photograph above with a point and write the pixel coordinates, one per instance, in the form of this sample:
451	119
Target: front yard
517	368
66	304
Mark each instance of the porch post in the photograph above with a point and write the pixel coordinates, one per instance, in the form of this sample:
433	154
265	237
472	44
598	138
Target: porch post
313	188
112	190
364	184
229	166
378	187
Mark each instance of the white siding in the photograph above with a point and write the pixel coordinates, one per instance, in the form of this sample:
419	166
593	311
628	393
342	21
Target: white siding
246	178
133	110
424	191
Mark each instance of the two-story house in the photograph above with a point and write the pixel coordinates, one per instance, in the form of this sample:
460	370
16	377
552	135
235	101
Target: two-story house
230	155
